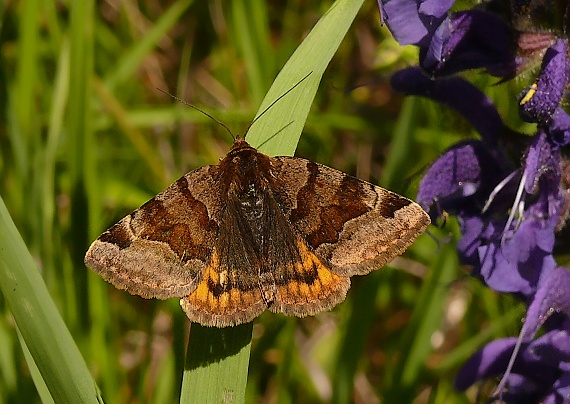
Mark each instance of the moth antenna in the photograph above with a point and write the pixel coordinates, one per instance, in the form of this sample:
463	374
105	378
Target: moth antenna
199	110
274	102
275	134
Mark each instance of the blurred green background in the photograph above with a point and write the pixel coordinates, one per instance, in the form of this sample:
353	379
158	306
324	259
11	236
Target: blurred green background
86	137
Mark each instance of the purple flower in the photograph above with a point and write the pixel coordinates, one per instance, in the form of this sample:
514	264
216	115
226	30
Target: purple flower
450	43
514	265
474	181
540	372
460	180
471	40
542	99
508	255
510	211
559	127
537	370
510	252
550	303
414	21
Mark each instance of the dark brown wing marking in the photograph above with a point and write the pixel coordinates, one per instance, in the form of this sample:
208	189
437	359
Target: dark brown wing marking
162	248
351	225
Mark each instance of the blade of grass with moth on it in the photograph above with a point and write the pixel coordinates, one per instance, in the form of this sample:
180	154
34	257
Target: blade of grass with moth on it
223	374
279	130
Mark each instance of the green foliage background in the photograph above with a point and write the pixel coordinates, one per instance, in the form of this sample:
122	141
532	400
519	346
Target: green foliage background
86	137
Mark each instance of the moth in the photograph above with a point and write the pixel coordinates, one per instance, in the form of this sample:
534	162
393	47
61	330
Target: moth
253	233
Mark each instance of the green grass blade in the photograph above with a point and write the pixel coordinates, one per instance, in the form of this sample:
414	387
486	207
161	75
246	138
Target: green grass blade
416	342
39	382
27	68
127	66
401	153
279	130
209	365
77	145
356	332
132	133
427	314
8	367
46	335
251	32
217	363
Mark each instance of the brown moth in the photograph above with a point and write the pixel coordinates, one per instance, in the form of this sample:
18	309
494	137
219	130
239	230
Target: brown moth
256	232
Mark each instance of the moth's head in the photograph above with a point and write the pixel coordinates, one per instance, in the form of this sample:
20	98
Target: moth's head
245	167
239	144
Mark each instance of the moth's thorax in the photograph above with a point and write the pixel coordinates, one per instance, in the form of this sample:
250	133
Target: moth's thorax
246	175
246	170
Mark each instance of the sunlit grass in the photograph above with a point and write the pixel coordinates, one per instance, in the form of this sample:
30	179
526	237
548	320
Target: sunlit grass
86	137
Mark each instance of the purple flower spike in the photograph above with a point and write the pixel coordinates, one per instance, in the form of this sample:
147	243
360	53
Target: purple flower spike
414	21
460	180
543	159
540	372
516	265
559	129
471	40
511	216
511	258
449	44
553	296
541	100
487	362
